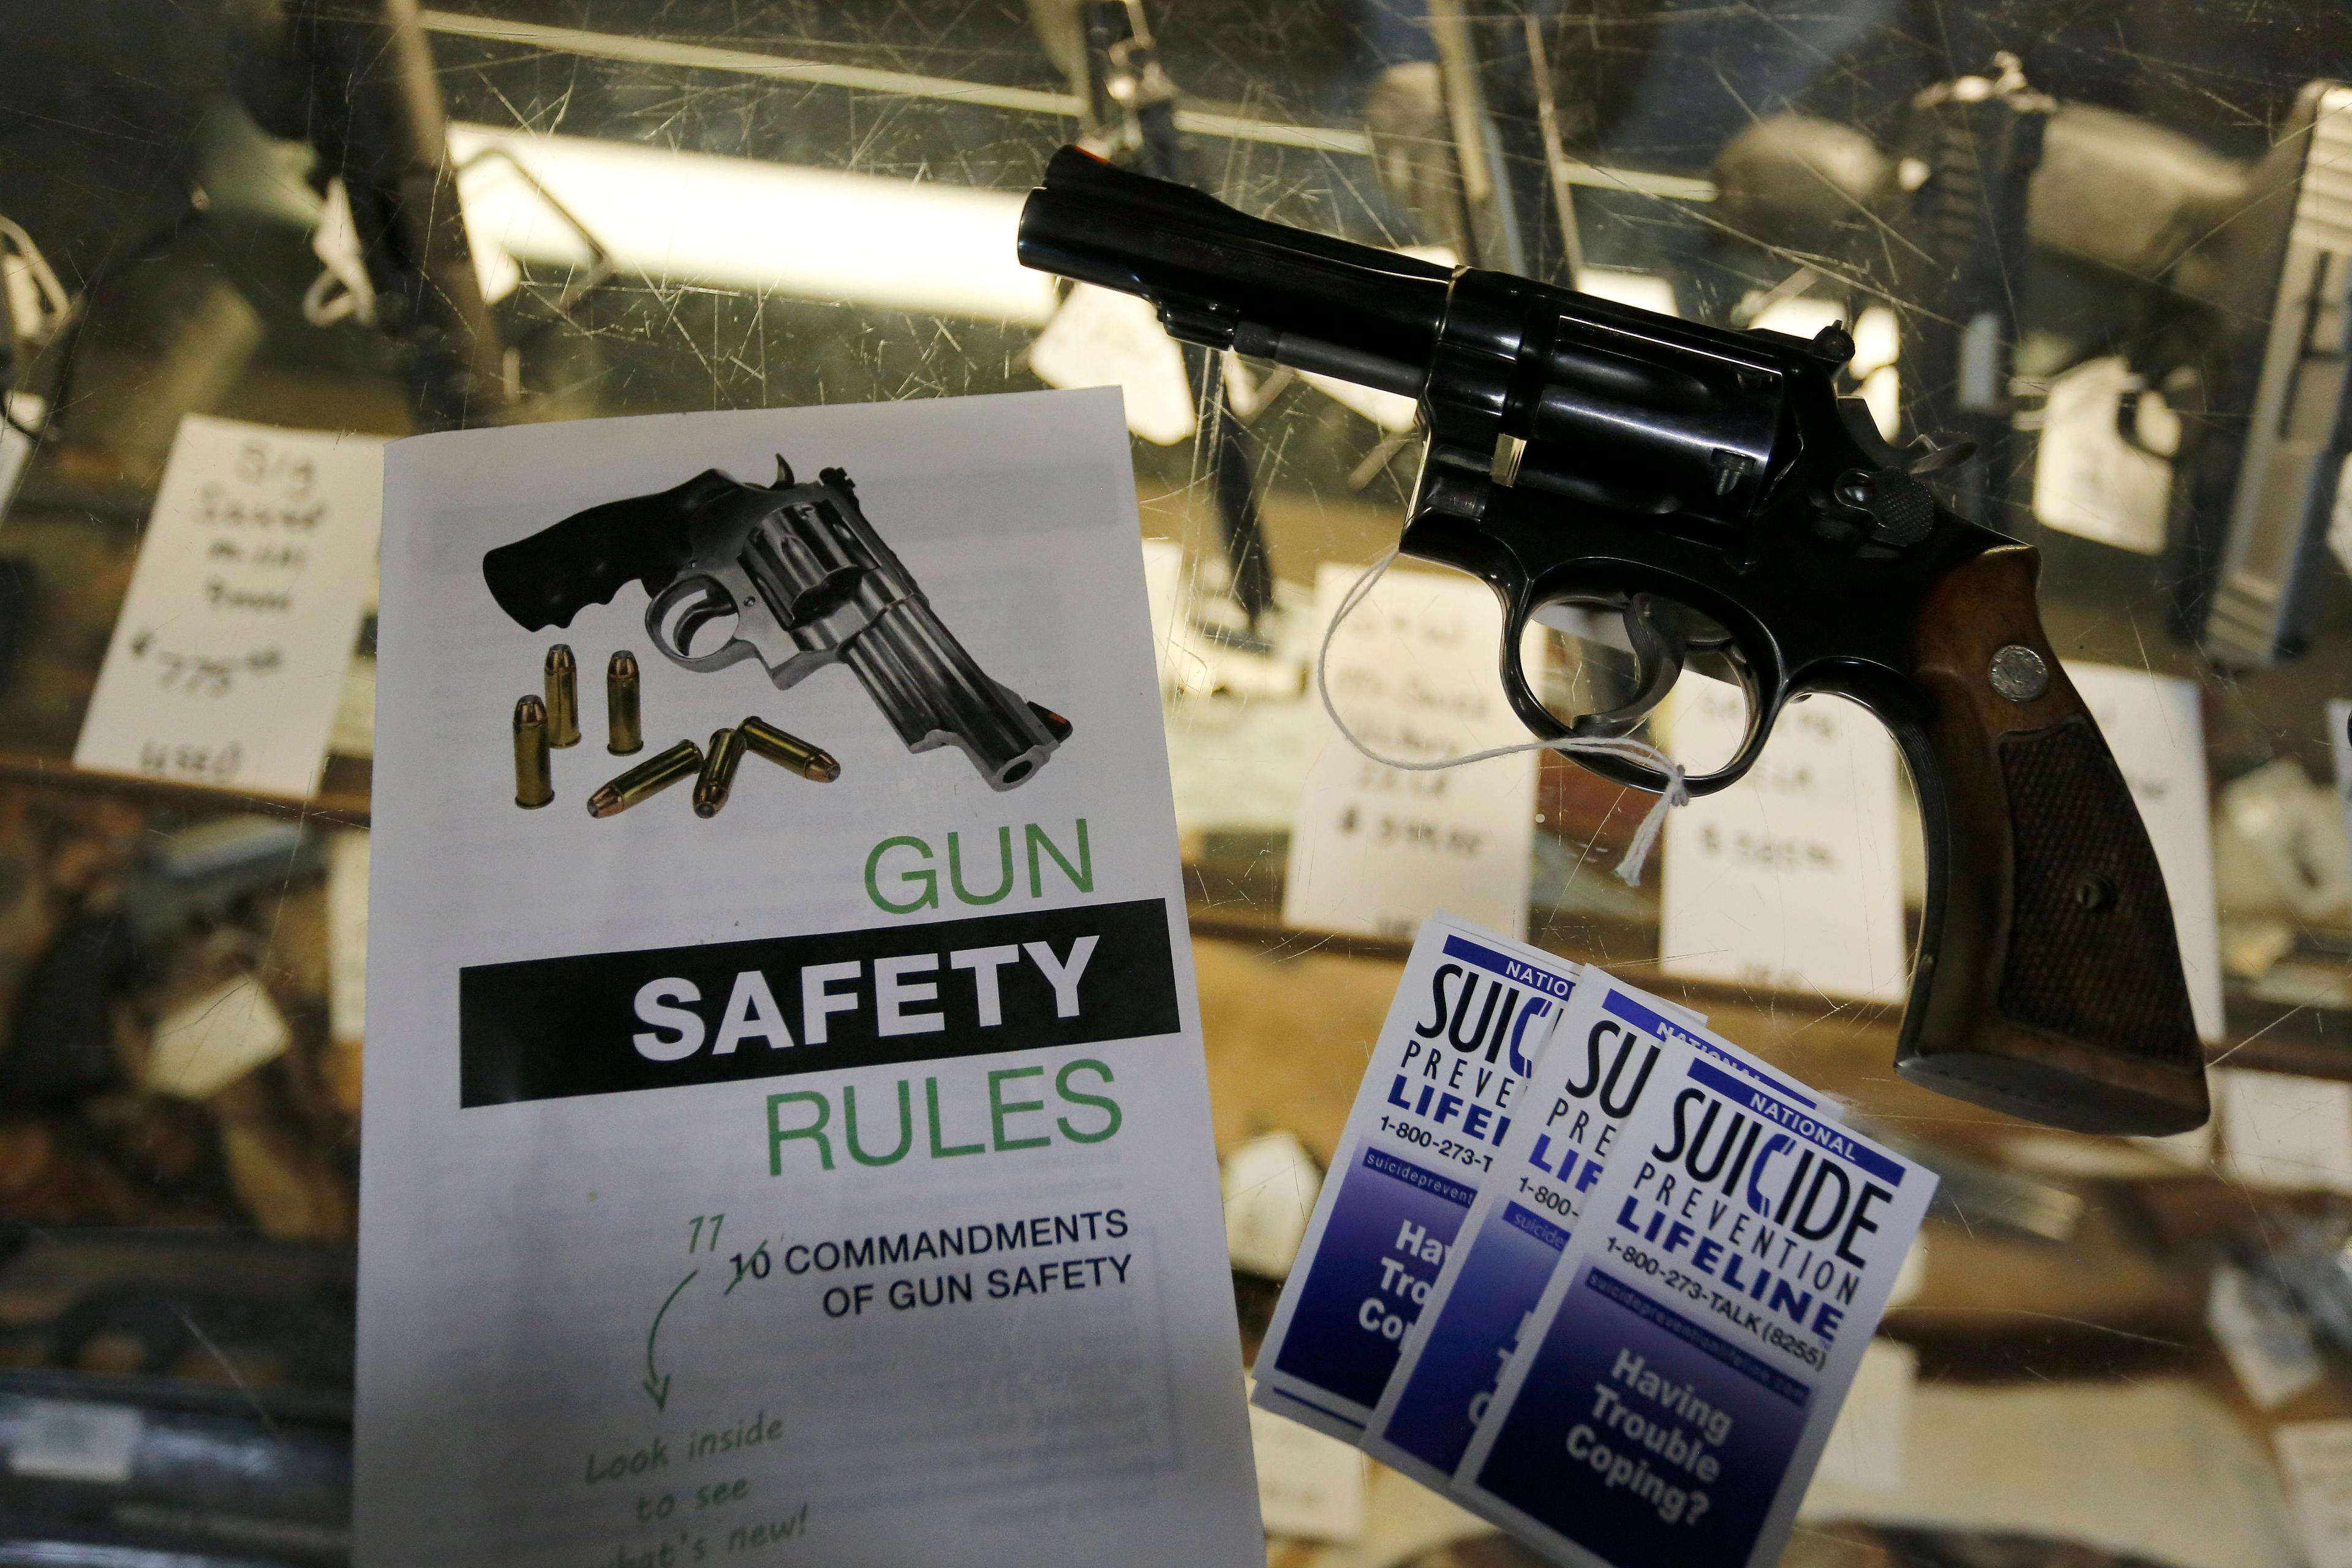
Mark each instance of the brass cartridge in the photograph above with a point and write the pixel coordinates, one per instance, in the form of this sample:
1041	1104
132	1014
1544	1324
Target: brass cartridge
789	751
534	784
649	778
562	697
718	765
625	731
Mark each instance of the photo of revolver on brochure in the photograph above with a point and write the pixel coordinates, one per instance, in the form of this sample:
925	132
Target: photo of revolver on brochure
800	579
1710	487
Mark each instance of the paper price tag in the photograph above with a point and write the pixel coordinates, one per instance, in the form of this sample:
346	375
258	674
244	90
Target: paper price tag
1310	1486
1163	584
1100	337
2087	479
2317	1456
2266	1341
208	1043
1270	1185
1792	878
351	733
2153	725
1870	1443
1374	850
231	650
61	1440
347	929
2279	1130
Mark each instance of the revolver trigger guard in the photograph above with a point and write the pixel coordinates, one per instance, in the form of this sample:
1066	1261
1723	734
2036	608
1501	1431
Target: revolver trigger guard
679	611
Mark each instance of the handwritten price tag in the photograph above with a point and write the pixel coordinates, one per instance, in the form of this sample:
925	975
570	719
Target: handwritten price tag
1793	879
1376	850
233	643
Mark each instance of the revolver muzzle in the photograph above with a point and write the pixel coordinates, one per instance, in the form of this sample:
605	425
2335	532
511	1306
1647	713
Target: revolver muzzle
935	694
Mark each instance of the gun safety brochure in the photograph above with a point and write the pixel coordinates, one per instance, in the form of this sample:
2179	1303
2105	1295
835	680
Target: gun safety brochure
788	1132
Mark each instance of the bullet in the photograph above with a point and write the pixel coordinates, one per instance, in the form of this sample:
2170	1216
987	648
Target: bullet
789	751
719	766
562	697
627	735
535	787
649	777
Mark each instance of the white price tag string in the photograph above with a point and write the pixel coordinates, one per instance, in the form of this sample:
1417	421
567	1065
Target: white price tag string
1637	853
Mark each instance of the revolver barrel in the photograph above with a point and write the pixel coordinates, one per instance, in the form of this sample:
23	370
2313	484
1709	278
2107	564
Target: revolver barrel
812	584
935	694
1567	393
1228	280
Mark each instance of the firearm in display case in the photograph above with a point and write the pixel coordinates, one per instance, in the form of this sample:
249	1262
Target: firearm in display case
1710	487
1131	108
357	84
1970	149
2286	309
60	1041
2238	274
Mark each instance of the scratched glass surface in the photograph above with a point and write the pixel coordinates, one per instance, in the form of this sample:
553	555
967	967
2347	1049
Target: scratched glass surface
2060	237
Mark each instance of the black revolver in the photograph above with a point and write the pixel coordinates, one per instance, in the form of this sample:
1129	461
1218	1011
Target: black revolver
1711	486
808	582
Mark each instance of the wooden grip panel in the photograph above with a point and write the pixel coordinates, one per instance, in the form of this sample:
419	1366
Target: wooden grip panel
2049	979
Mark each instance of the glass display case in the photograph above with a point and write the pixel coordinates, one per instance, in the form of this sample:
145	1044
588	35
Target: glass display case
2092	267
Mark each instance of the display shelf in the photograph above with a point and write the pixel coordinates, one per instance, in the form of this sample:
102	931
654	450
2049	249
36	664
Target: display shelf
342	798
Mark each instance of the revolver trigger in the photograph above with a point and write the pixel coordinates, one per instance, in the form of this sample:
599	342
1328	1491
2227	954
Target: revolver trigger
682	609
1653	629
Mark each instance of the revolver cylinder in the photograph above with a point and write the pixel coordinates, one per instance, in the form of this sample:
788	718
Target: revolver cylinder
811	583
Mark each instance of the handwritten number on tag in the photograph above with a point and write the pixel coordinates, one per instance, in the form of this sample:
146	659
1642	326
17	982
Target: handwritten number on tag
1412	834
201	764
291	474
1758	850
